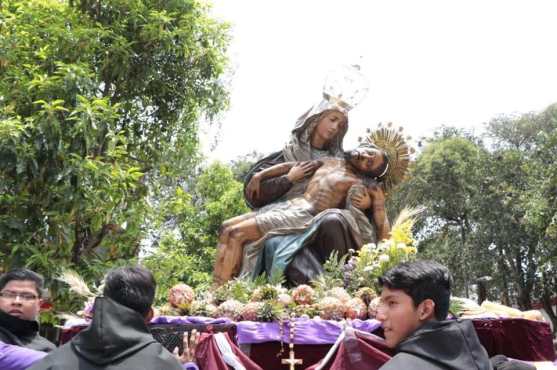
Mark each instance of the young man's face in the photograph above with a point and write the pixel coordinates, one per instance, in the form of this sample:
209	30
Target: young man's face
20	298
399	316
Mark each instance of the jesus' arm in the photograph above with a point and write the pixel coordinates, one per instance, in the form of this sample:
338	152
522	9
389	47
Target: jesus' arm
379	214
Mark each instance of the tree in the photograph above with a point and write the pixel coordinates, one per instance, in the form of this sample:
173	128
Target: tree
444	179
187	248
533	138
241	165
99	103
492	206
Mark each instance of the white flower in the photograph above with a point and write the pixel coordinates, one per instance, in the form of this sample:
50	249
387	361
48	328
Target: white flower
401	246
368	268
367	247
384	258
372	246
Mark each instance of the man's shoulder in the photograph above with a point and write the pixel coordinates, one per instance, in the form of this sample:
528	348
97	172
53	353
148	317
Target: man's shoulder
61	358
35	342
7	336
40	343
152	356
157	356
165	355
404	361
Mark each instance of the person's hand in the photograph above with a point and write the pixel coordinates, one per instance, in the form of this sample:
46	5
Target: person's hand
254	186
361	200
190	345
302	170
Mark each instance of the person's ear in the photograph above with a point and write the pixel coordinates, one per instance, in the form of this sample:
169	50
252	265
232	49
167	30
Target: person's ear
426	310
149	315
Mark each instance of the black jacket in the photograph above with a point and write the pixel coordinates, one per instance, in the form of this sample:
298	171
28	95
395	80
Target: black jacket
117	339
23	333
441	345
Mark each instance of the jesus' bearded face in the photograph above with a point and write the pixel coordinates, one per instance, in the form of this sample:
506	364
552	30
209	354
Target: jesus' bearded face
370	161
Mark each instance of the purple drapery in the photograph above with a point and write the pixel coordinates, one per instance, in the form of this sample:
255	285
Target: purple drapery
307	331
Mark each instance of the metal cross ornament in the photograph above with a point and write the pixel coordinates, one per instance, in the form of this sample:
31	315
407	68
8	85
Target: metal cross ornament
292	361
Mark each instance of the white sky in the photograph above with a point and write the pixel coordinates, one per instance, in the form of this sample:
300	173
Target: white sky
428	62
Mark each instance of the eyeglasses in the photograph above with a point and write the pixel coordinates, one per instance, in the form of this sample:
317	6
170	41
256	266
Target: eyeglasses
23	296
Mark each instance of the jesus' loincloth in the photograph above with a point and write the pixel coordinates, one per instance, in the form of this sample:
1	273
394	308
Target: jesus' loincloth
293	213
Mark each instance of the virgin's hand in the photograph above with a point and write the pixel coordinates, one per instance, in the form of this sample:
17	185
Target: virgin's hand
361	200
254	186
302	170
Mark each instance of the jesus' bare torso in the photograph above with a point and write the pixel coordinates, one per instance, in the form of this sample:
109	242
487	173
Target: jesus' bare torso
329	185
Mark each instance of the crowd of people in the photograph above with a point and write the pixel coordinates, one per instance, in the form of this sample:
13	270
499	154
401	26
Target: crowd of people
117	338
413	312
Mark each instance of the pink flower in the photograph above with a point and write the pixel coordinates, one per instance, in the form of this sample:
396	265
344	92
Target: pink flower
180	295
331	309
356	309
303	294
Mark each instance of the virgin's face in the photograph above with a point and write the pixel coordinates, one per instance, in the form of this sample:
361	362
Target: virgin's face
329	126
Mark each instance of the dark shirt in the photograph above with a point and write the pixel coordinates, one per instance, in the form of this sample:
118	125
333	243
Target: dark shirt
23	333
441	345
117	339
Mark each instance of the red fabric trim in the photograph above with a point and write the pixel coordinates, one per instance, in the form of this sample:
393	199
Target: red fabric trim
358	351
208	356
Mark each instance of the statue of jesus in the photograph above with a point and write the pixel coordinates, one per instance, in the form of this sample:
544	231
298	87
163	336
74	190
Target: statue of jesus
327	188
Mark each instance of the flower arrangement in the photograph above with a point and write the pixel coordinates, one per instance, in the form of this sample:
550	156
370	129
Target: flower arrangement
346	289
373	260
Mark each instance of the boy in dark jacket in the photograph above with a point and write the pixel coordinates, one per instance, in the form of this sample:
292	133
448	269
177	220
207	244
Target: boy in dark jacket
414	304
118	337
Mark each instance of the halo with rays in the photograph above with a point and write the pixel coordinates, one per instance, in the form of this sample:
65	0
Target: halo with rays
393	142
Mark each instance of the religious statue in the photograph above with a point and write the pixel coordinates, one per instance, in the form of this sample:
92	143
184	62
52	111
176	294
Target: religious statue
332	181
346	221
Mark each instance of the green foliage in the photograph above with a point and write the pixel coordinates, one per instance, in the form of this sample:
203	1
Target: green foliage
238	289
187	247
277	278
241	165
171	265
99	103
492	205
271	311
333	272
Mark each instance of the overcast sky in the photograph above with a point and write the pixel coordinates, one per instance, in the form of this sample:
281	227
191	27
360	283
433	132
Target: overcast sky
428	62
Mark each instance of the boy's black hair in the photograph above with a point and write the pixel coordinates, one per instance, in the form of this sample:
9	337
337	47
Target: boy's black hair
422	280
133	287
22	274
